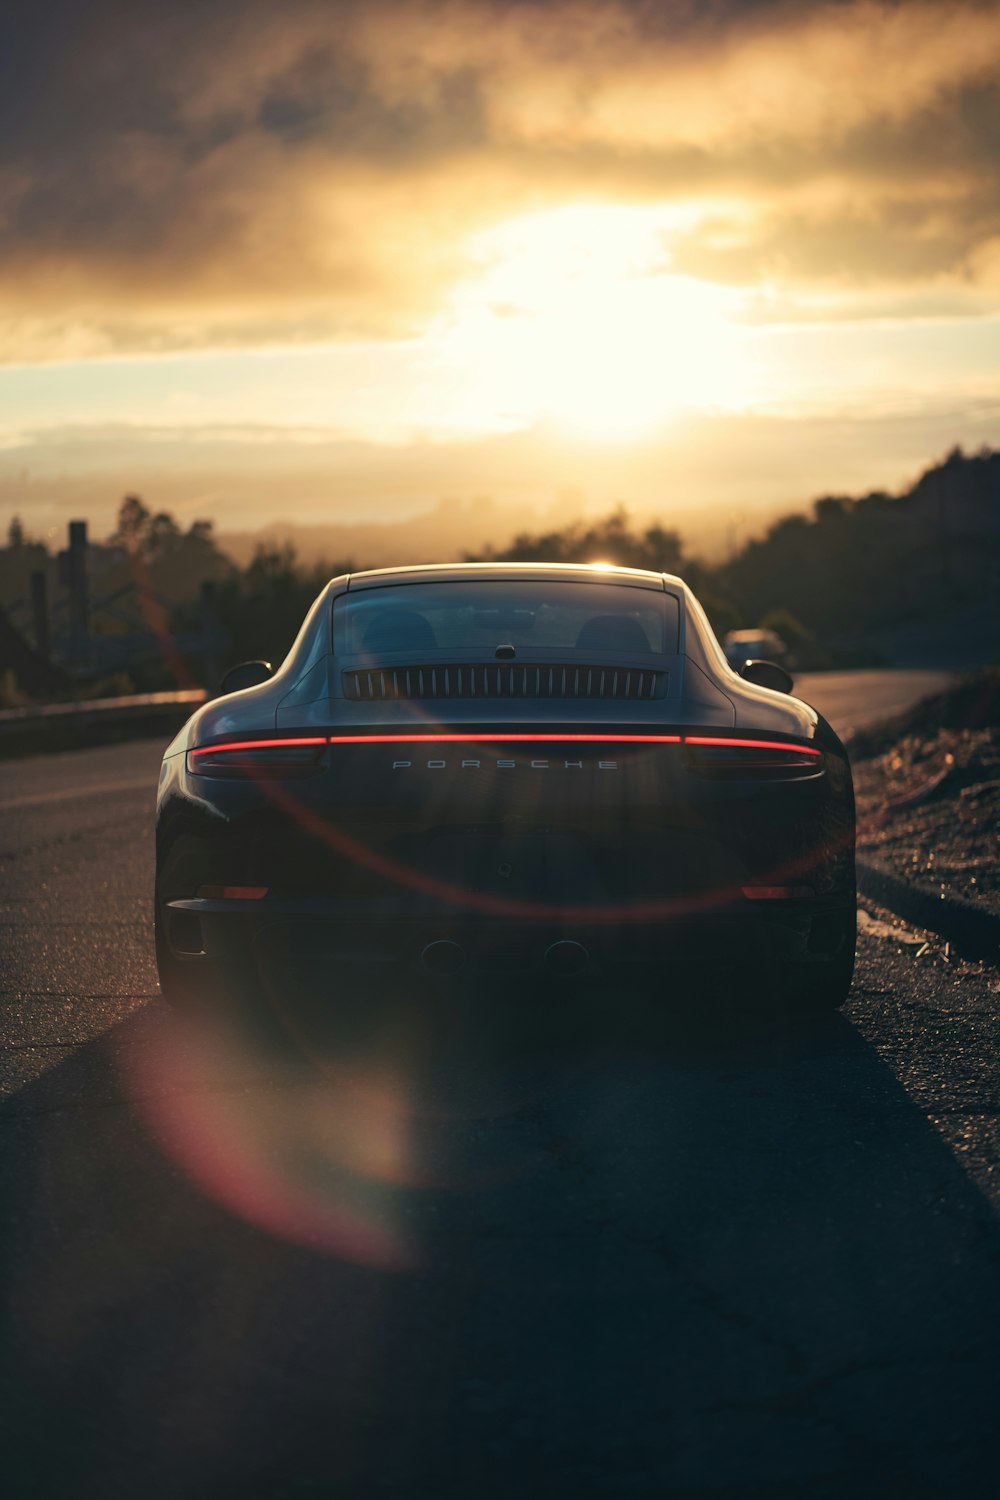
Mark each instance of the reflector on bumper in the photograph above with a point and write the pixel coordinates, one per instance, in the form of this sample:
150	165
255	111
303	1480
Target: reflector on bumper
232	892
777	892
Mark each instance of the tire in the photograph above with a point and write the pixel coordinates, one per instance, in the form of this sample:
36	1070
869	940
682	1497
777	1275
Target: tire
824	984
186	985
226	987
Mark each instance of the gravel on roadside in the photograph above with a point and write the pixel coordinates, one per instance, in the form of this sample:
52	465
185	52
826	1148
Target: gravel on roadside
929	810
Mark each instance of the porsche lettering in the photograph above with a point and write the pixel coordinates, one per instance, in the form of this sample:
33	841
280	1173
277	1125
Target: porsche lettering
506	765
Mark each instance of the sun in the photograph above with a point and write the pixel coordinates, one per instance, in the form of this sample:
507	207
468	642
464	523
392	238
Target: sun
576	319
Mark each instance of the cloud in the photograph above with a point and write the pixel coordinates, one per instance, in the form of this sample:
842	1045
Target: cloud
937	243
701	478
184	177
809	73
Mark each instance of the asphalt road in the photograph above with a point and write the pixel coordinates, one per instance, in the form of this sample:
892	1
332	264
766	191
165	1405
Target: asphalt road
856	700
642	1251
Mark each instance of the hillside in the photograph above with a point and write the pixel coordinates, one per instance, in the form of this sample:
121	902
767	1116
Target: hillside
860	566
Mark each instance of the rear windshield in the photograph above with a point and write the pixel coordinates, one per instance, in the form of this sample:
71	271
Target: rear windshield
535	617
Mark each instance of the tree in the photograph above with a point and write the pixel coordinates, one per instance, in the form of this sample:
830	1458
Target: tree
785	624
262	606
162	534
832	508
133	520
608	540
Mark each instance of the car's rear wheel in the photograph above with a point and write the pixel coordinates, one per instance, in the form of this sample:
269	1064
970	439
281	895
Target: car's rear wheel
224	984
188	980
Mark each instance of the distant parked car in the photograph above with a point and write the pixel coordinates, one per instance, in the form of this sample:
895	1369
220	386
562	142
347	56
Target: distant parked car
754	645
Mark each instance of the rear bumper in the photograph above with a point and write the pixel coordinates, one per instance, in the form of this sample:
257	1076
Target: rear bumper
311	939
640	858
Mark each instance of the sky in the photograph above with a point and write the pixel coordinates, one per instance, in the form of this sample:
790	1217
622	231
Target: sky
333	262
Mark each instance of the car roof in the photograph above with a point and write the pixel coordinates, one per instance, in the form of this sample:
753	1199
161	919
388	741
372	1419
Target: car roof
596	573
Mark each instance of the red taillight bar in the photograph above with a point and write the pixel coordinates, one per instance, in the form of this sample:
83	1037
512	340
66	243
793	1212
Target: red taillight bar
506	739
701	739
234	745
532	739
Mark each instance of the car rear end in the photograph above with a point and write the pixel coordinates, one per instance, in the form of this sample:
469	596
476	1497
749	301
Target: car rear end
537	779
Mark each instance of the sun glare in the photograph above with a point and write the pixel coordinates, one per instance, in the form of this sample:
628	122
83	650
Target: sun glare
576	318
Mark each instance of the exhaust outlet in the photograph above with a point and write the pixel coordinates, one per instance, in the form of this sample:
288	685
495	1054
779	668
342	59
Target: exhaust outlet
566	959
443	958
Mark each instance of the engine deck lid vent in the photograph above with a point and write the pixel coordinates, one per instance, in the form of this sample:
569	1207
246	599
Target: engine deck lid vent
502	680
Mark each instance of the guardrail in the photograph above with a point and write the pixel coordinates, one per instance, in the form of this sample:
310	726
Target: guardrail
94	721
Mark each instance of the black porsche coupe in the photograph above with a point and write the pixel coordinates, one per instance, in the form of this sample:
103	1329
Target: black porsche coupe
512	770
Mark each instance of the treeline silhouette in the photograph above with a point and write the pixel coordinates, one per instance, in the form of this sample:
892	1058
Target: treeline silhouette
856	565
827	580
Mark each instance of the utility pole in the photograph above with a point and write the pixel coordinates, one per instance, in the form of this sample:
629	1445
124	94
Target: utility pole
73	576
211	657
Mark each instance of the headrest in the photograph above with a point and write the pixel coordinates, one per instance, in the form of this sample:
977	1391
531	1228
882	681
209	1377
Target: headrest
612	633
399	630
